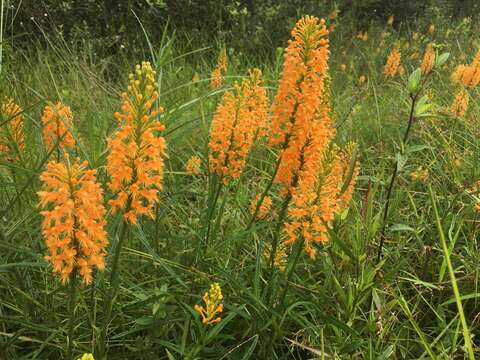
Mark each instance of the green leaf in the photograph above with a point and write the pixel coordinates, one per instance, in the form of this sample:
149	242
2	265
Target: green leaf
414	81
401	227
442	59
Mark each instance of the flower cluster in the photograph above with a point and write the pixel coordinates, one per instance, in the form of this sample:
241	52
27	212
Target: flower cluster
193	165
220	69
213	308
323	191
135	161
73	218
300	97
428	61
239	118
460	103
57	122
393	63
468	75
11	134
264	209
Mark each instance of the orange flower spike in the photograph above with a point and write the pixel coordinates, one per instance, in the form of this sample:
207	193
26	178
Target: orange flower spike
193	166
317	199
300	95
13	128
135	161
239	118
393	63
73	218
428	60
57	119
213	308
265	207
220	70
460	103
468	75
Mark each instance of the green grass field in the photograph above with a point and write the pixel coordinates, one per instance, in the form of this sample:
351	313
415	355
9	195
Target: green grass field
396	284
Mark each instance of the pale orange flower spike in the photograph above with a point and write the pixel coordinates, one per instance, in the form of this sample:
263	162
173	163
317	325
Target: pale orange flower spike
193	166
220	70
393	63
264	209
240	117
300	109
428	61
73	218
135	160
213	308
12	131
468	75
57	119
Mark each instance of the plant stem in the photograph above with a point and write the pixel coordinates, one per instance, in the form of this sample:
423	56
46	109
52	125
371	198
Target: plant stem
71	321
273	250
456	292
211	211
394	177
290	271
114	284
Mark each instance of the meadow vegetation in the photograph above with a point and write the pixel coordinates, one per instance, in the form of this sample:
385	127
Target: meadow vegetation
315	201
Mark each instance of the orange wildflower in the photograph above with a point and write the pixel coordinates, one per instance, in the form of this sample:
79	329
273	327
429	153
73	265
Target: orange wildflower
362	79
57	121
135	161
468	75
300	99
343	67
193	165
317	199
239	118
12	134
220	69
393	62
419	174
265	207
431	29
428	60
73	218
213	305
460	103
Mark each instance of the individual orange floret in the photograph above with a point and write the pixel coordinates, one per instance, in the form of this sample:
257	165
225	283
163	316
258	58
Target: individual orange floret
428	61
57	121
238	119
220	69
11	133
193	165
73	218
460	103
300	96
317	198
393	63
213	305
135	160
264	209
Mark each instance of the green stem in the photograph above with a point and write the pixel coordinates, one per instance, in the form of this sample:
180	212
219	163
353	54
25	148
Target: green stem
273	252
71	321
290	271
114	285
456	292
211	211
